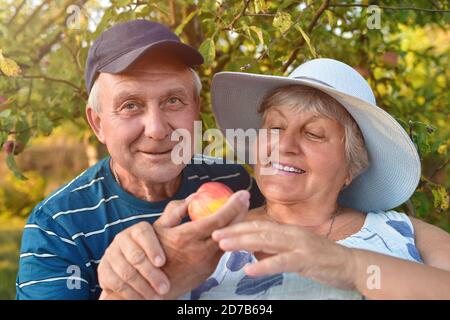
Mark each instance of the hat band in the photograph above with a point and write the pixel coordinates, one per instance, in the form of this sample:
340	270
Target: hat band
314	80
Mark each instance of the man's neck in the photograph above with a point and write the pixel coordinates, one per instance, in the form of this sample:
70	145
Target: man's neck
148	191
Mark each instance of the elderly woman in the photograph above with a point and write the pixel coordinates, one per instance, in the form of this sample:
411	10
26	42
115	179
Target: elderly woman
327	230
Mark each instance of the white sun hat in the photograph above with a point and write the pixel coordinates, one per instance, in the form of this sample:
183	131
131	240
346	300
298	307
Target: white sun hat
394	169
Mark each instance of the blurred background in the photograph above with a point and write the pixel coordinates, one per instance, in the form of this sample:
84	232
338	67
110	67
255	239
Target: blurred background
401	47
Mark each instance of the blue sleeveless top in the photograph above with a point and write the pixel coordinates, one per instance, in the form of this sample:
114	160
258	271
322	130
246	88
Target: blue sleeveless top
389	233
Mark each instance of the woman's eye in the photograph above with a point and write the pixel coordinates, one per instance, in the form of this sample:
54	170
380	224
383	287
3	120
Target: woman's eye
313	135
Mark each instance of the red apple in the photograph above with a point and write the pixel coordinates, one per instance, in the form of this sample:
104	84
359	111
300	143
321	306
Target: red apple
11	146
208	199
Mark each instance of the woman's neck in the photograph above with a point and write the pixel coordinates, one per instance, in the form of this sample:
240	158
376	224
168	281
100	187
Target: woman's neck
303	214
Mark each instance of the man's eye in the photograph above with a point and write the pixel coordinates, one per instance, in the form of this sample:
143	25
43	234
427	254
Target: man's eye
173	100
131	106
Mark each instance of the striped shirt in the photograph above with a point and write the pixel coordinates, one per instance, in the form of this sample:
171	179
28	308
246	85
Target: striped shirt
68	232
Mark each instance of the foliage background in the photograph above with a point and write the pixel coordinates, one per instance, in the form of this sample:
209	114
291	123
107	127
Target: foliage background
44	45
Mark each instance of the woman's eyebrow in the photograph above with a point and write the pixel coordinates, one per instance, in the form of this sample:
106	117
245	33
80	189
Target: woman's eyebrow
277	111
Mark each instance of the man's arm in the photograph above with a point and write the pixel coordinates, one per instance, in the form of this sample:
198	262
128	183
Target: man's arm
50	266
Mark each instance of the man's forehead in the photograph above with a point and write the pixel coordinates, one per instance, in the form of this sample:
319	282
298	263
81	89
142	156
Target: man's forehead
135	76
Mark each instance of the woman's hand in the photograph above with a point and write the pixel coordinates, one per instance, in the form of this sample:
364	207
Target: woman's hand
289	248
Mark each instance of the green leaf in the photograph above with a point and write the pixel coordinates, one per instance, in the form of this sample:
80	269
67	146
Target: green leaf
120	3
5	113
259	33
441	198
180	28
23	130
282	21
3	137
11	163
330	17
260	6
208	51
44	125
307	40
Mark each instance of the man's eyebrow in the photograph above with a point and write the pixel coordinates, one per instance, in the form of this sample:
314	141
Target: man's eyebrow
180	91
123	95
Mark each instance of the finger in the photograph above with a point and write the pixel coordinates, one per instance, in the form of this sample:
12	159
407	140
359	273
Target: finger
247	227
111	282
237	204
136	257
144	235
283	262
173	214
129	277
106	295
265	241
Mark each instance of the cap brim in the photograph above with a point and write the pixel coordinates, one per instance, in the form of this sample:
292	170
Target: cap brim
394	170
186	53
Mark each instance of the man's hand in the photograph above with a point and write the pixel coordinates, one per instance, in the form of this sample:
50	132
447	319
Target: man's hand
191	253
130	267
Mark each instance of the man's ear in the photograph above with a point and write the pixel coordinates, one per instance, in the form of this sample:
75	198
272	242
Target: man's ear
198	107
95	122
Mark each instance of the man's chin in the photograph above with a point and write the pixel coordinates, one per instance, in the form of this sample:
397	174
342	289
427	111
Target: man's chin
160	172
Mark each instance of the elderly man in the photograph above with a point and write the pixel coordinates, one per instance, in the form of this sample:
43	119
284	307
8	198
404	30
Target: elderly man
141	89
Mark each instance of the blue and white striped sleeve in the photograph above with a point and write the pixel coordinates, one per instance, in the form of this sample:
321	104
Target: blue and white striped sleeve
50	264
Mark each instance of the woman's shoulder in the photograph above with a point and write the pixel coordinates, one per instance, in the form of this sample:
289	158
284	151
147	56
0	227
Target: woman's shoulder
395	220
389	232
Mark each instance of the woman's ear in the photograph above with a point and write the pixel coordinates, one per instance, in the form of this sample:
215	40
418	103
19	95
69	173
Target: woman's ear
95	122
347	182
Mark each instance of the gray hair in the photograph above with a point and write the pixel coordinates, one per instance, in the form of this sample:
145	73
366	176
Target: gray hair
303	98
94	102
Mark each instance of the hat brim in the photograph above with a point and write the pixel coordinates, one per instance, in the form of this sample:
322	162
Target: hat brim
394	170
187	54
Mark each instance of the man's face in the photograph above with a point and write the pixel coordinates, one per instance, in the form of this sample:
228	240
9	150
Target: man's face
139	111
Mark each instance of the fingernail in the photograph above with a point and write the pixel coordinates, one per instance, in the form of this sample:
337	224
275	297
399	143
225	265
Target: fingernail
159	261
216	234
163	288
157	297
244	197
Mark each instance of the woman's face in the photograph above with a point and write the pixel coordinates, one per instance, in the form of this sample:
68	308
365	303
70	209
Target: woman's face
311	144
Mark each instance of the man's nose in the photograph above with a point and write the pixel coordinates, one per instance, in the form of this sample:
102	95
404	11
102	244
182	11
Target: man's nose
156	124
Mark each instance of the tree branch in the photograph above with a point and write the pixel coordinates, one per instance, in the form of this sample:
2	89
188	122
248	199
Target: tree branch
310	28
42	77
31	17
344	5
19	7
235	19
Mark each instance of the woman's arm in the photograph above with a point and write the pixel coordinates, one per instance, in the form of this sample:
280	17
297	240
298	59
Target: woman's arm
398	278
433	244
294	249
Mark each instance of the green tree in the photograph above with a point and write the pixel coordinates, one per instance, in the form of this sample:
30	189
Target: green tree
402	50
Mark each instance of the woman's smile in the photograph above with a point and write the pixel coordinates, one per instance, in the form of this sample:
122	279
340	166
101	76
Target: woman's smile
286	169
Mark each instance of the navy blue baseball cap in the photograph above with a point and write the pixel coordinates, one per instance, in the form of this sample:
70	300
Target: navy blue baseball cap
118	47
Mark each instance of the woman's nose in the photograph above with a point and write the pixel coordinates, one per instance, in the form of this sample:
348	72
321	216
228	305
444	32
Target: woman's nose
156	124
289	142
